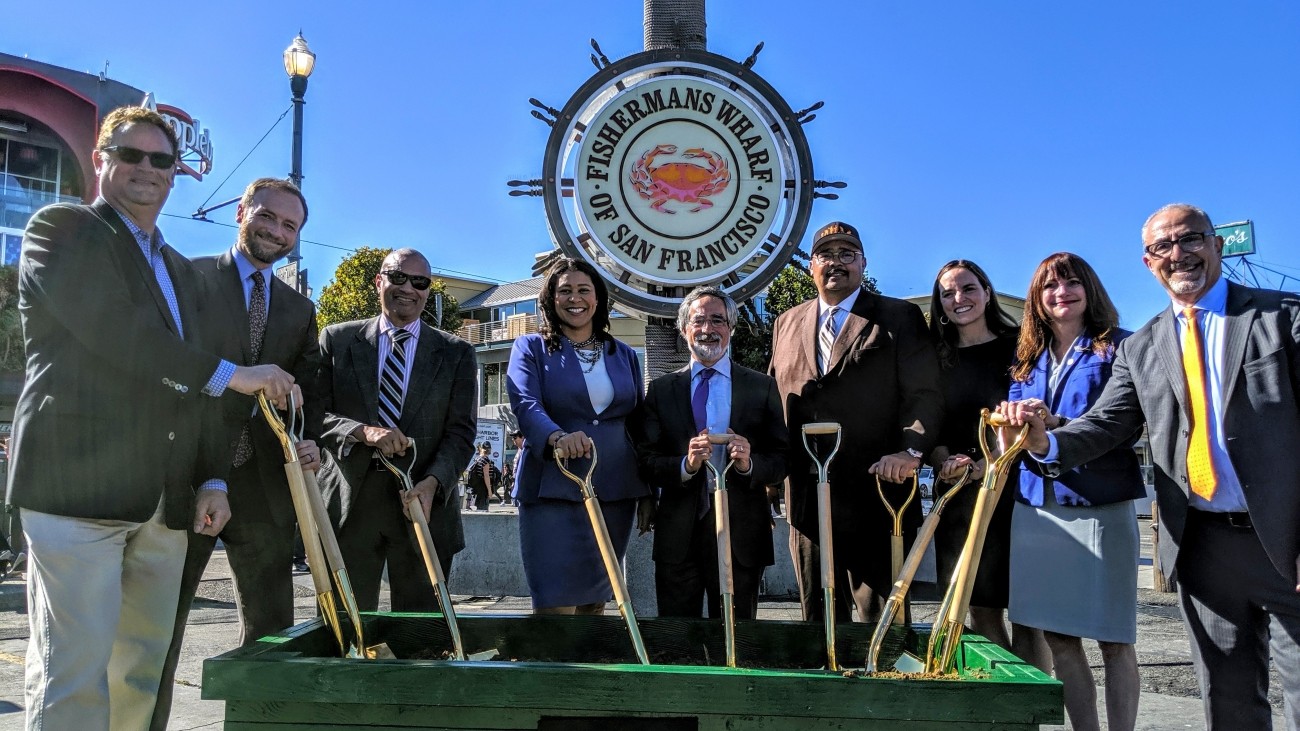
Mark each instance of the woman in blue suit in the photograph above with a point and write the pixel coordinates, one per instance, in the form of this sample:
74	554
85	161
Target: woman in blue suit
1074	561
573	385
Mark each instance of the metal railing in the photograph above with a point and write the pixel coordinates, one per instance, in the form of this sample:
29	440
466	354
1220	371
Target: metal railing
482	333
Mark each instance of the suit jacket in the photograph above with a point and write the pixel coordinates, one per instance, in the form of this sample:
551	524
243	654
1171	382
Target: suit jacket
668	426
440	413
1111	477
289	342
111	417
882	387
1261	353
548	392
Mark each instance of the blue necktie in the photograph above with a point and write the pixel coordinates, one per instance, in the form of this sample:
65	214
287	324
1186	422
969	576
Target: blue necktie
700	399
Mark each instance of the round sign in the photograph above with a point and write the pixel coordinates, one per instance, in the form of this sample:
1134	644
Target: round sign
672	169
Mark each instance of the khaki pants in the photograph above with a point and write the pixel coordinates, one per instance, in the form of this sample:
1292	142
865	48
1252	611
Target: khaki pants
101	597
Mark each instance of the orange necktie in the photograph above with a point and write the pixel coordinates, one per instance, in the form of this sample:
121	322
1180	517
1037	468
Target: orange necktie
1200	466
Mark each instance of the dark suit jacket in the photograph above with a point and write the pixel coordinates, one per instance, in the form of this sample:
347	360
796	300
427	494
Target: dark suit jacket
548	392
289	342
440	413
668	426
1261	417
882	387
111	415
1111	477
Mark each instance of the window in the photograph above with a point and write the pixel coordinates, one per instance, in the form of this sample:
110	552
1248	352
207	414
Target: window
493	388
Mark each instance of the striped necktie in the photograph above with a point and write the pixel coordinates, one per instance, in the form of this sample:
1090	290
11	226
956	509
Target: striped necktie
390	382
1200	466
825	341
256	333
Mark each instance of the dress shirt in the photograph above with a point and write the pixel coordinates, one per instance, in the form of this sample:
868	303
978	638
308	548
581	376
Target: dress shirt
1228	496
841	314
245	267
717	411
220	378
386	346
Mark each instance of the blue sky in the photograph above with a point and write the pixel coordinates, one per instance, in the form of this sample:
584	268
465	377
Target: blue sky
995	131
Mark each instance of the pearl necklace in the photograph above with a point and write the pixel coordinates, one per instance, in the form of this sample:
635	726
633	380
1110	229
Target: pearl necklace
586	354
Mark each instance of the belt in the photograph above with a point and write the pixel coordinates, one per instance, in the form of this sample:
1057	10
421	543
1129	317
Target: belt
1232	520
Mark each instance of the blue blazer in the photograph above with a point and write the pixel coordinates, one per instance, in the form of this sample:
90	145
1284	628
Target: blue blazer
1110	478
548	392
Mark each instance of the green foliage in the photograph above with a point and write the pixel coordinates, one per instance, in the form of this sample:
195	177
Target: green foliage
12	356
351	294
751	342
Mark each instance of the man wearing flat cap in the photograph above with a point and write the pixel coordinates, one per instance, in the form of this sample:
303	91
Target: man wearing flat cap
866	362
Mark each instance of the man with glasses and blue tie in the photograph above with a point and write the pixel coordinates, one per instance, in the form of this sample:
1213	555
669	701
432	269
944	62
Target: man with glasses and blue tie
1215	377
865	361
116	449
711	395
383	381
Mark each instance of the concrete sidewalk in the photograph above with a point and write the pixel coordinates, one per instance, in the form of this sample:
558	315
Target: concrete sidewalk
1168	702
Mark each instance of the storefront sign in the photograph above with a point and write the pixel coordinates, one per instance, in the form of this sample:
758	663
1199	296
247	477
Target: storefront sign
196	143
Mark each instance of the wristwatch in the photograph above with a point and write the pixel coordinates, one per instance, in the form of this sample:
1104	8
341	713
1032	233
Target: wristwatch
916	453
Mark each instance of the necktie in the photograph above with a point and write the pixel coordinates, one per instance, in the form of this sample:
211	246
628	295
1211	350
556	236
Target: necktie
700	398
825	341
1200	466
390	382
160	273
256	332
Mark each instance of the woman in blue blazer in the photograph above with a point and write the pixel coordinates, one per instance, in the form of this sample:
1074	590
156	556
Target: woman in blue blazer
573	385
1074	560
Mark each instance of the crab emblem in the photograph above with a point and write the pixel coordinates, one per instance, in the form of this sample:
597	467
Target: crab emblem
685	182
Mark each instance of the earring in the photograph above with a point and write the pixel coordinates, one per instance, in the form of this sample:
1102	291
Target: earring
943	320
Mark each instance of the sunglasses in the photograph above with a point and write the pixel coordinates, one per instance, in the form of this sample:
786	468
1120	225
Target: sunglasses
133	156
398	278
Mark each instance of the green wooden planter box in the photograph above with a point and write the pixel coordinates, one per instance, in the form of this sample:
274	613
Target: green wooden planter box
579	674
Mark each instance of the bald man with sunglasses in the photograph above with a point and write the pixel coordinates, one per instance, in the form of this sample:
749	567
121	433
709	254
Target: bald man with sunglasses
383	381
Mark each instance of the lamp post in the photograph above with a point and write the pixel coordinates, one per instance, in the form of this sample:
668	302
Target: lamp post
298	63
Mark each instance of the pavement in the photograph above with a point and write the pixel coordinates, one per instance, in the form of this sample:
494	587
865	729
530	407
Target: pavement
1169	699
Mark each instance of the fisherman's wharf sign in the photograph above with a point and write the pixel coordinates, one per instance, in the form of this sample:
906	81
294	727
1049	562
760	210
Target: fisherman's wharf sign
671	169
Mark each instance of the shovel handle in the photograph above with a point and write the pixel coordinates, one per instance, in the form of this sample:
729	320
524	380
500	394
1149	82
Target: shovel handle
615	574
430	553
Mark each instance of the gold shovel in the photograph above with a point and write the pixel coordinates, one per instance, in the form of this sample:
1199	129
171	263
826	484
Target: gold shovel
427	549
896	529
894	605
314	524
612	569
825	541
722	527
945	636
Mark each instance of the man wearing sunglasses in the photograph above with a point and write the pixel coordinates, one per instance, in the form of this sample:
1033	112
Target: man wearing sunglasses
258	319
865	361
116	447
385	381
1216	379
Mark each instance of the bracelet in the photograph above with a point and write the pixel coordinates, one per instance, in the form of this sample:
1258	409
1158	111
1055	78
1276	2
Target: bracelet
1061	421
562	434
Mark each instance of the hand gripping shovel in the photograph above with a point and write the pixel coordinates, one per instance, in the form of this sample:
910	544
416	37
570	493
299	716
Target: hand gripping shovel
890	637
612	569
722	526
825	541
318	536
945	636
427	549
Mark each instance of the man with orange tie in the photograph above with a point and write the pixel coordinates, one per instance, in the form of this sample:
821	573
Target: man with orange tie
1215	377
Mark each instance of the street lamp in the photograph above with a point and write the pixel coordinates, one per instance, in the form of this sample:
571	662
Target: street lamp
298	63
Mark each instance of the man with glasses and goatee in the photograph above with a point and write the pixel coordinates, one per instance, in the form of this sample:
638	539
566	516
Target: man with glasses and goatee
116	454
256	319
383	381
865	361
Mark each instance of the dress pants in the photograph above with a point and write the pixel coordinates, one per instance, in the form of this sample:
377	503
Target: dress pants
1235	607
854	574
378	532
260	554
683	589
101	596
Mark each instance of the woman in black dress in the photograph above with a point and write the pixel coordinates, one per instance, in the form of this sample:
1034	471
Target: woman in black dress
976	341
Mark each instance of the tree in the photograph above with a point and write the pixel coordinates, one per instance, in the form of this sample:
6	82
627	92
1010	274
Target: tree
351	294
12	357
751	341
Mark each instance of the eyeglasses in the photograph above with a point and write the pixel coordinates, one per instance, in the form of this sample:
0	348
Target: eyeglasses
398	278
715	320
133	156
1189	243
843	256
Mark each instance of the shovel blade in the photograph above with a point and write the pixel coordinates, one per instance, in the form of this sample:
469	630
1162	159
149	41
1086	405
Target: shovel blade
909	663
